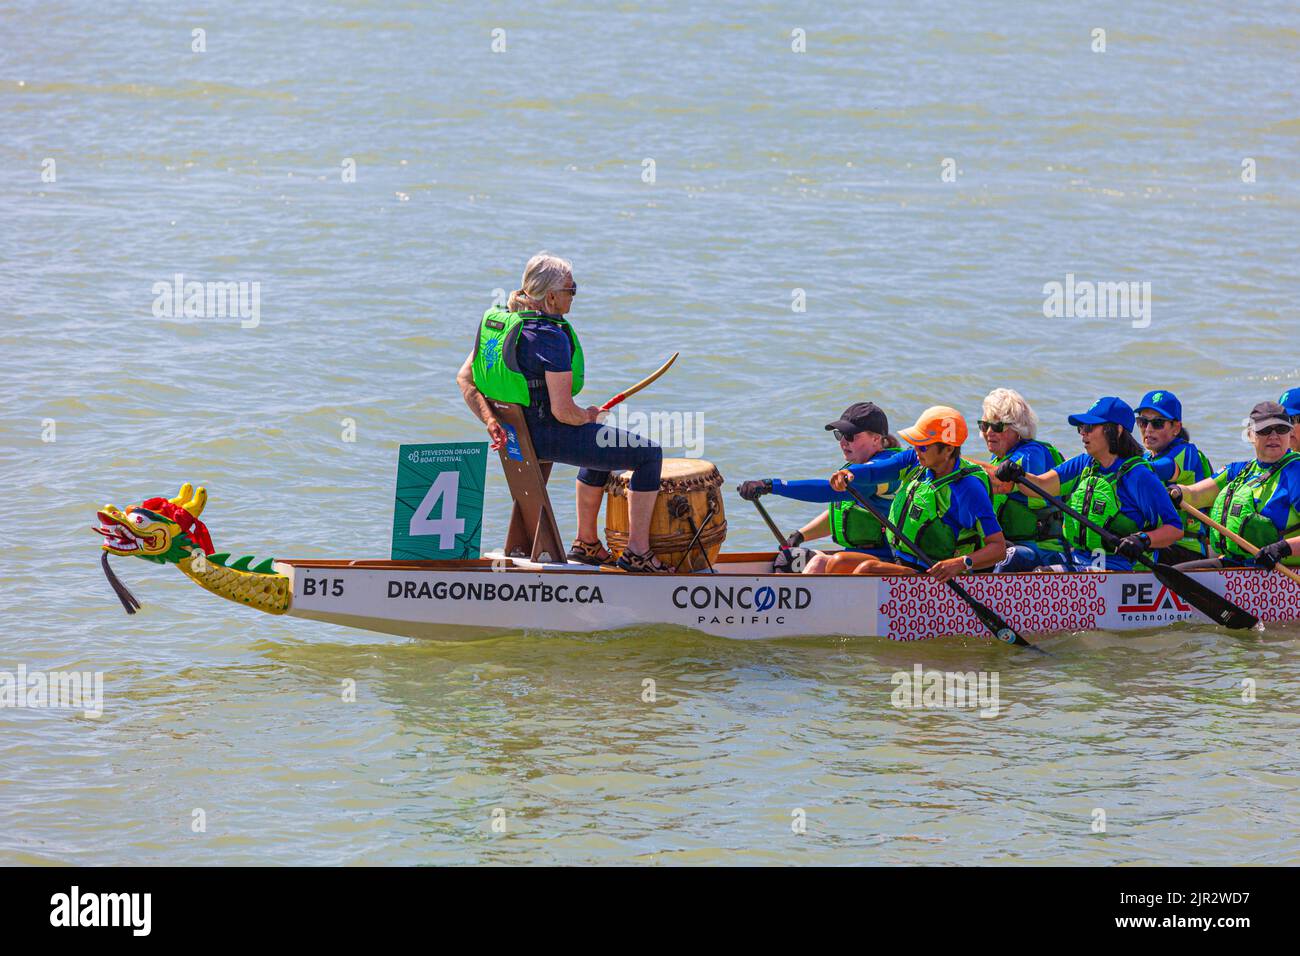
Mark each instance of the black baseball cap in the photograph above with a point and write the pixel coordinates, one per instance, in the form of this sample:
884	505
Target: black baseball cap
1269	413
861	417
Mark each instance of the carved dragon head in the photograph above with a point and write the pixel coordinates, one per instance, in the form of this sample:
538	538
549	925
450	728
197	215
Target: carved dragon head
165	530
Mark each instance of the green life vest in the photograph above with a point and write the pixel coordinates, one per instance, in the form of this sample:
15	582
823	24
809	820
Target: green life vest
496	366
1239	505
1096	497
918	511
1030	520
1188	472
853	526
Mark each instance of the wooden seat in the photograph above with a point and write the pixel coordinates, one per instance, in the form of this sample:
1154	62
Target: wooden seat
533	529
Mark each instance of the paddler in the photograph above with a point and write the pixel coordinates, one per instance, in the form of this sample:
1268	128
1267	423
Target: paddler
1175	461
863	435
944	507
1257	499
529	354
1112	484
1010	429
1290	400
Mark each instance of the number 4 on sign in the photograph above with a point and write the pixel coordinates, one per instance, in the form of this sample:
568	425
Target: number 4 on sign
448	526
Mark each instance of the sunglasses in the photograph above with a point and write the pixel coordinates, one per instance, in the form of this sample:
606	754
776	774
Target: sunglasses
1085	429
572	290
1152	422
844	436
993	426
1274	430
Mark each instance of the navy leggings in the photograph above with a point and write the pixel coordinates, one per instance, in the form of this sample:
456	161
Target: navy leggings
595	456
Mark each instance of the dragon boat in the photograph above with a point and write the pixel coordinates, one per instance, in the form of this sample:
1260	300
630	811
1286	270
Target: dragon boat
740	598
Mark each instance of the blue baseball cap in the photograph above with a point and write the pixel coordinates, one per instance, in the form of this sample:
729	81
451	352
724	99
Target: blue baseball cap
1108	409
1168	405
1290	400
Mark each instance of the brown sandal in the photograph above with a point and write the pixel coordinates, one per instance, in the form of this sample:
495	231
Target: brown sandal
642	563
589	552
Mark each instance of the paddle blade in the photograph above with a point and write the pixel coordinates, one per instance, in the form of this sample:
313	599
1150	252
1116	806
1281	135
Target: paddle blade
1214	606
992	620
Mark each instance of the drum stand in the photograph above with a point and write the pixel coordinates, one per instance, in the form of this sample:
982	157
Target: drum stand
679	507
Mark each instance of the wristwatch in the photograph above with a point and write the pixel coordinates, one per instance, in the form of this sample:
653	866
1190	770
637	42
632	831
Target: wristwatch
970	565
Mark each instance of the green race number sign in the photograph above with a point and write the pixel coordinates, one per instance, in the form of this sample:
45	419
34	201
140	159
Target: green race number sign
438	510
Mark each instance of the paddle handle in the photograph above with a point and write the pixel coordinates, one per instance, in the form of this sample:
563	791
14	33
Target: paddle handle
889	526
1238	539
649	379
767	519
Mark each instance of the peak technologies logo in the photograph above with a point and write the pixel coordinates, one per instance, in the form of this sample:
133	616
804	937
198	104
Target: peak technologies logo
1142	602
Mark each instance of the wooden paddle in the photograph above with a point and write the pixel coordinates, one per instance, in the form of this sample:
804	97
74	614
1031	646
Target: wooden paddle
1241	542
1214	606
776	532
641	384
987	616
767	519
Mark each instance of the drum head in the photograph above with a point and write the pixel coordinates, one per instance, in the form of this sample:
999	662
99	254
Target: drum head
678	474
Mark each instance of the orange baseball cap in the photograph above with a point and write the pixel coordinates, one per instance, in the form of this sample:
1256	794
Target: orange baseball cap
937	425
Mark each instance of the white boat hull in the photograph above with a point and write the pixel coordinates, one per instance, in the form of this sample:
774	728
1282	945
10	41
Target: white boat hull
467	600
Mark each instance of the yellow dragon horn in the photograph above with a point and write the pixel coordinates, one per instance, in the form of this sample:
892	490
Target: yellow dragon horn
186	491
195	505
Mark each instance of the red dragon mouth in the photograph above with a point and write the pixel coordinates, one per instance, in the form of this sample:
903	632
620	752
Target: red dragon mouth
118	536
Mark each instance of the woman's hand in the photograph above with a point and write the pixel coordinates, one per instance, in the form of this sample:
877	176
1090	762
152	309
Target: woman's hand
1010	471
947	570
1270	555
840	480
593	413
995	487
496	433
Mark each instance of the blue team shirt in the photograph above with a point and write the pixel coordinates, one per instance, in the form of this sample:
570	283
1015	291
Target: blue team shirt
1287	496
970	505
883	469
1165	466
1034	458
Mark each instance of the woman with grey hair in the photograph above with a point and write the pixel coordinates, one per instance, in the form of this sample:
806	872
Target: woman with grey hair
528	353
1010	430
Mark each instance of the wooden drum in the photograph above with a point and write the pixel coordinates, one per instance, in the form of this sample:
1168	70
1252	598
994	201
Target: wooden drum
688	489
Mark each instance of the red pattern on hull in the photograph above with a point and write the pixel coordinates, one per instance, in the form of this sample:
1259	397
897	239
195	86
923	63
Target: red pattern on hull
1031	603
1270	597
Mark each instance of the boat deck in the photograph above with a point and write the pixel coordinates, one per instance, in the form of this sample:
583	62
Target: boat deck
740	562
